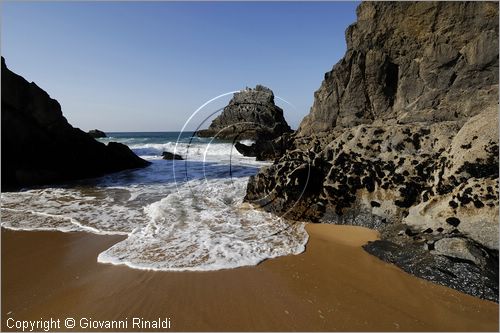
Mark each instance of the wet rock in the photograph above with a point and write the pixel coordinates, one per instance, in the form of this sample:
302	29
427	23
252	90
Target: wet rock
170	156
457	248
396	122
462	275
265	149
251	114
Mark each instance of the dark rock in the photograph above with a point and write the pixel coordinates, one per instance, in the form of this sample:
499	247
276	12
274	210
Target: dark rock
251	114
245	150
429	246
40	147
461	275
478	204
264	149
170	156
95	133
409	232
389	121
453	221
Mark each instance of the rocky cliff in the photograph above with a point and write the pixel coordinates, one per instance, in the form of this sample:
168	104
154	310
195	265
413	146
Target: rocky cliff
251	114
411	62
403	138
40	147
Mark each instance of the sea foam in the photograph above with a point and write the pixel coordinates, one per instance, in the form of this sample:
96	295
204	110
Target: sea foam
205	226
177	215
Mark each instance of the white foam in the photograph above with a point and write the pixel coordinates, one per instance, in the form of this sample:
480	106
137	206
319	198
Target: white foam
98	210
197	151
178	215
206	227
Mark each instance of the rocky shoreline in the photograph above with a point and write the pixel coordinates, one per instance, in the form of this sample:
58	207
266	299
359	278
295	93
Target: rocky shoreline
403	138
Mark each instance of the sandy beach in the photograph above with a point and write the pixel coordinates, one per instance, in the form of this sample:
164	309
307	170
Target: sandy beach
333	286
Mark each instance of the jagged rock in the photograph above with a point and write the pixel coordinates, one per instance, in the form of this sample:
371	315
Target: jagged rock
40	147
251	114
170	156
246	150
95	133
411	62
264	150
408	119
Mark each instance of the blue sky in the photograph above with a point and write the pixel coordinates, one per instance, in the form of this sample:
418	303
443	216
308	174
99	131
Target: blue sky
130	66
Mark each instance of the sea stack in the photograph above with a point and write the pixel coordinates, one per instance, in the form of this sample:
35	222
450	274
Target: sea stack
40	147
95	133
403	138
251	114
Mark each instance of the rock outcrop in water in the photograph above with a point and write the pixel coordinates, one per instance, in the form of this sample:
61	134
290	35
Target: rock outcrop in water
251	114
403	138
166	155
39	146
95	133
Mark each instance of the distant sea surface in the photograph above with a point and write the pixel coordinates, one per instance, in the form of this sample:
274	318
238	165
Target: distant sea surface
178	215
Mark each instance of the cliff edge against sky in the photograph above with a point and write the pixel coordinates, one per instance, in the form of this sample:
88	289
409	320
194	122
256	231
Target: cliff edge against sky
403	138
40	147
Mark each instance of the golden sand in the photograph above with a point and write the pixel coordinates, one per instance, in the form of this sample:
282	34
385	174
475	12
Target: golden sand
334	285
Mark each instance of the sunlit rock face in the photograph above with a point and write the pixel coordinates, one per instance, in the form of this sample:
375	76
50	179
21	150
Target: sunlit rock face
403	137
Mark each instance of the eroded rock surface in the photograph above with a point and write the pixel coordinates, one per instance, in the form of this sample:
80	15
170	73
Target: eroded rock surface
403	138
251	114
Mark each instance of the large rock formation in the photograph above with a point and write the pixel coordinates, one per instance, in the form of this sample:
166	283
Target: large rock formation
40	147
95	133
403	138
251	114
411	62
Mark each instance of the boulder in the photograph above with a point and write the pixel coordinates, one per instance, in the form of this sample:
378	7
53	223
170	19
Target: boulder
170	156
40	147
245	150
251	114
265	150
95	133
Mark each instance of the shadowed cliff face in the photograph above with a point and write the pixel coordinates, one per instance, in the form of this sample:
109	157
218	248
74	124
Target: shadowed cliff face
40	147
403	138
411	62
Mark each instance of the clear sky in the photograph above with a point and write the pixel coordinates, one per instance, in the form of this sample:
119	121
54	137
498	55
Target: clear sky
130	66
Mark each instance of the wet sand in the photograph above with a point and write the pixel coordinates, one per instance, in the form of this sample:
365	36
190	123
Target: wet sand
333	286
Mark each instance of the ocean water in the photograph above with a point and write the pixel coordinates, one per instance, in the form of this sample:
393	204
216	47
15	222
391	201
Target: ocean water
177	215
